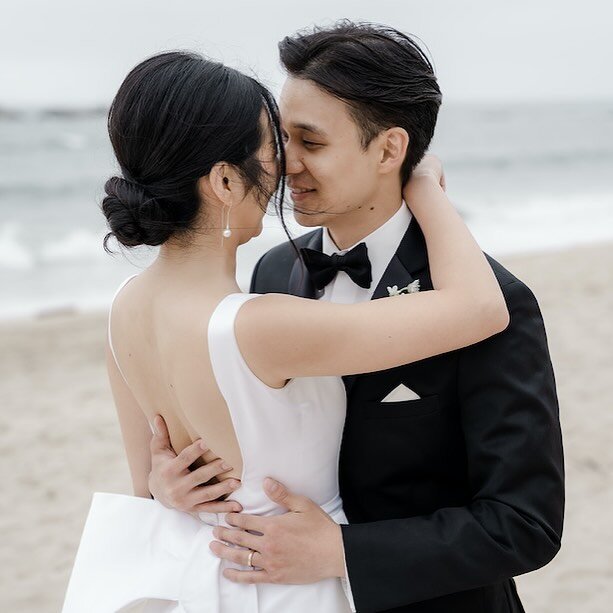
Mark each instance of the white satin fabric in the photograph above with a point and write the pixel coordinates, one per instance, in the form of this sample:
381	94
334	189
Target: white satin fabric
136	555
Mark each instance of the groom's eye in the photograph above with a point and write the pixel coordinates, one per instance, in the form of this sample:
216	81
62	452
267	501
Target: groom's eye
310	143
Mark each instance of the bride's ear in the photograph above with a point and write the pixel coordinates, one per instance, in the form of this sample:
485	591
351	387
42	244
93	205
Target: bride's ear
226	183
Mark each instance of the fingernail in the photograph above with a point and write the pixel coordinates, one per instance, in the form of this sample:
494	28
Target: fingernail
225	466
235	485
237	508
271	485
203	446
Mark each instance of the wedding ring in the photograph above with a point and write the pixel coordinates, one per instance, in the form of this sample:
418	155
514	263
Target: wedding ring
250	558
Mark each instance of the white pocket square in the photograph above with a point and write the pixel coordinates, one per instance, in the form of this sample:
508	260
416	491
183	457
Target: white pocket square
401	394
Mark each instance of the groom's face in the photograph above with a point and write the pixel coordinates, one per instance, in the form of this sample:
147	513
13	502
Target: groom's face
328	170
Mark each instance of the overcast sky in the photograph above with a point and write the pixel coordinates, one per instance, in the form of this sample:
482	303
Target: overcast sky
76	52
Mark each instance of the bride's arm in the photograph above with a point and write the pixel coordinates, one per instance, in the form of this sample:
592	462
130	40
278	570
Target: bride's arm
283	337
135	429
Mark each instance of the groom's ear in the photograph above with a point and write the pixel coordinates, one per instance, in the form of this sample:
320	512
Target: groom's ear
393	145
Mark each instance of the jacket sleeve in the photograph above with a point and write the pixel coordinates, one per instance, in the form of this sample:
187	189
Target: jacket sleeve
512	523
272	272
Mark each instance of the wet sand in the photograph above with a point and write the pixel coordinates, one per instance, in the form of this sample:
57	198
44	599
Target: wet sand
60	441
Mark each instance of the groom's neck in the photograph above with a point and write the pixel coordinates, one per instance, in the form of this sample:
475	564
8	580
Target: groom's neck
348	229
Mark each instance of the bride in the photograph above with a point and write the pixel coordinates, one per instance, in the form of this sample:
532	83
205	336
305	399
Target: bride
200	153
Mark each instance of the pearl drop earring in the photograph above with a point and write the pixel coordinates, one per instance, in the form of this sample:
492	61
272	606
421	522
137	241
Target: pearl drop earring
227	233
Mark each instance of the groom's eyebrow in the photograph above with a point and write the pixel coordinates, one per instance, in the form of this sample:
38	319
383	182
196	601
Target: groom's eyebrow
309	127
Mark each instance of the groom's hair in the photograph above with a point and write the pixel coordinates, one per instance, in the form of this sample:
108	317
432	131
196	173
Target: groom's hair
381	73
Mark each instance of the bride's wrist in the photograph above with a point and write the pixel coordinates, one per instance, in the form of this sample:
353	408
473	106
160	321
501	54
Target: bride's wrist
419	183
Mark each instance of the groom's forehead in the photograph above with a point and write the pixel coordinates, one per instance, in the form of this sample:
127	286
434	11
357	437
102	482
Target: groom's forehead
304	105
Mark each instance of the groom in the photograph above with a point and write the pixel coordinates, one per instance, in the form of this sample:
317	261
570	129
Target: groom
451	469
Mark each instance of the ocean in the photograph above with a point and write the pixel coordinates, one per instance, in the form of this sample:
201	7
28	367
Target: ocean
526	177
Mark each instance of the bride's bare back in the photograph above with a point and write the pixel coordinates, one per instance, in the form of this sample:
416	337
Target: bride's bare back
159	334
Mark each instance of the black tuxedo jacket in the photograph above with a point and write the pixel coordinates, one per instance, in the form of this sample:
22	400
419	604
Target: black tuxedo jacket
451	495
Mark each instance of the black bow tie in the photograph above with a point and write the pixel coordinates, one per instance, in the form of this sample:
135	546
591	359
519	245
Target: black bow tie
323	268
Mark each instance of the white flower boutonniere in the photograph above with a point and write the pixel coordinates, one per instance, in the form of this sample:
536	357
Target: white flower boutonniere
411	288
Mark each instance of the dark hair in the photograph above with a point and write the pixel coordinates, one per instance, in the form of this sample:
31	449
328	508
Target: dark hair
381	73
174	117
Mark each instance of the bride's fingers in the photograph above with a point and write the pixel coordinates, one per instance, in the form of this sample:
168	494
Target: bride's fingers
205	473
189	455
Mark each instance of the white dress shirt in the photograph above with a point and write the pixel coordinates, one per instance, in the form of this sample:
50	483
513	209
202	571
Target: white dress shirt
381	244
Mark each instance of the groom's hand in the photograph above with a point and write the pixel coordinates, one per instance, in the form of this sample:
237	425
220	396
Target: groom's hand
176	486
304	545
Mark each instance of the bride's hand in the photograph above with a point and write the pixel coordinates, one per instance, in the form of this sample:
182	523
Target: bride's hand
430	168
420	191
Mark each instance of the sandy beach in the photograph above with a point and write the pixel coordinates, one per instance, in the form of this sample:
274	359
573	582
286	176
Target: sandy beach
60	441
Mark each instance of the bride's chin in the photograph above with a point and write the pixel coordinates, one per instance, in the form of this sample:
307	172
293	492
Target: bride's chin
252	234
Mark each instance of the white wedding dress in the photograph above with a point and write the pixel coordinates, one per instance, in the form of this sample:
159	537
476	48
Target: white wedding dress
136	555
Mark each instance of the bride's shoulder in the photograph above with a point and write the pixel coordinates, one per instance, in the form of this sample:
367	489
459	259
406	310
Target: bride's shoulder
120	293
258	313
257	305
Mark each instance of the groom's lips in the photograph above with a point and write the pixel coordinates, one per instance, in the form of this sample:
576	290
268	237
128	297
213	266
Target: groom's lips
300	193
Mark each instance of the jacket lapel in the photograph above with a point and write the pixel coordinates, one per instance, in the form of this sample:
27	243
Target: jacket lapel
408	263
300	283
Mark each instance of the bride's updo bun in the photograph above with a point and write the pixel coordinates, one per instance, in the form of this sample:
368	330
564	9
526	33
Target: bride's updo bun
174	117
134	217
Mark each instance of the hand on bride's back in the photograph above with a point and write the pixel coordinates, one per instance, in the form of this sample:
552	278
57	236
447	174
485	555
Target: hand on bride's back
172	483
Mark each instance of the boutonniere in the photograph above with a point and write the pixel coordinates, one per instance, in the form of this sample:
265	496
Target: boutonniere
411	288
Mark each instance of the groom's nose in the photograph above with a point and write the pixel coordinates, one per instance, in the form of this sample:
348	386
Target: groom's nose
293	164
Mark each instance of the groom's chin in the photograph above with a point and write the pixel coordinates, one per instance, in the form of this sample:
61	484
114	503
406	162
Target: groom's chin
310	220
